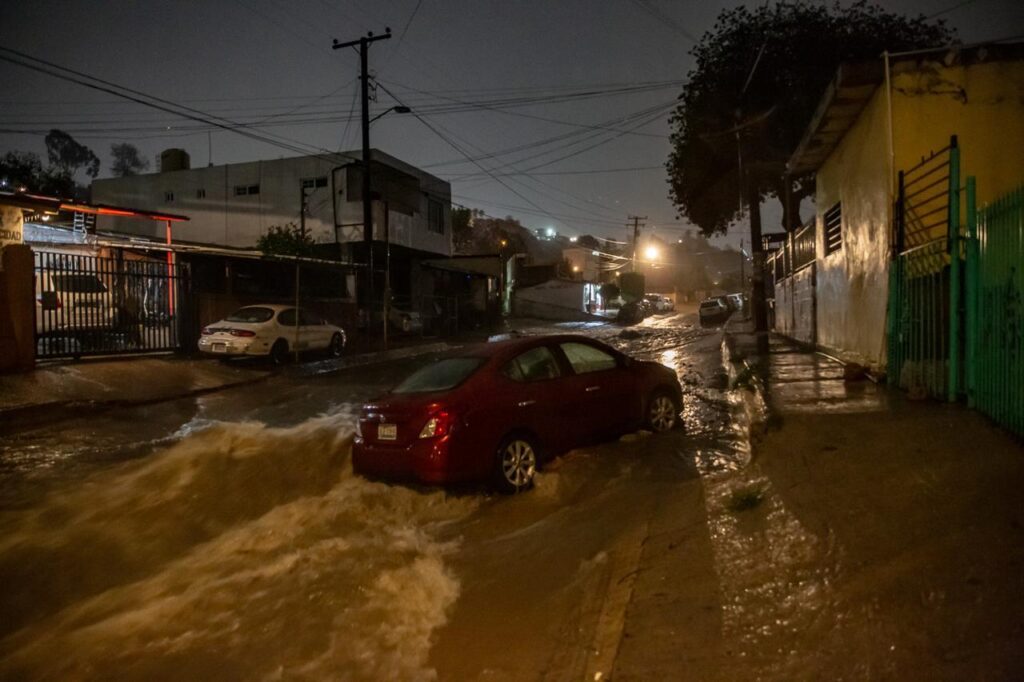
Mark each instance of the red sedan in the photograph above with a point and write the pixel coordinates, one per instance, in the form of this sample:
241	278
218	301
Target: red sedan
496	411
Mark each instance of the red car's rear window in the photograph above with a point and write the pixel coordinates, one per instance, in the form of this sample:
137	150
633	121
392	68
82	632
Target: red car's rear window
440	376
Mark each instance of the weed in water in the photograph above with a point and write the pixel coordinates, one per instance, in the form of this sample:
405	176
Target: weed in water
745	498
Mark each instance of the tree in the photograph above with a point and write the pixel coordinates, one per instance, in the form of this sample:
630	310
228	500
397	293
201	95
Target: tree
475	233
127	160
67	155
286	240
758	78
25	169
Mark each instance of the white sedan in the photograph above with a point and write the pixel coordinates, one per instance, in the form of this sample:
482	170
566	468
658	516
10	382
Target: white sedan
270	330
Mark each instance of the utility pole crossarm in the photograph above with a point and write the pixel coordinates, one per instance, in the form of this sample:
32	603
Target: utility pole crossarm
369	38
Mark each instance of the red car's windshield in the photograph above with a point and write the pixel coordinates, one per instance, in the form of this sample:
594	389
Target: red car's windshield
439	376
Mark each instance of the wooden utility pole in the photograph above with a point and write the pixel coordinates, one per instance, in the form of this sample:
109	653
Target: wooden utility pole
636	235
364	46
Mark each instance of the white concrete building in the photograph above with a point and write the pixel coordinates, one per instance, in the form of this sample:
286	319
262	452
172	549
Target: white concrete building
234	204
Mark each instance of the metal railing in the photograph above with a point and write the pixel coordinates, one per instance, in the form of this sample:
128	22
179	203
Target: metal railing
994	295
93	305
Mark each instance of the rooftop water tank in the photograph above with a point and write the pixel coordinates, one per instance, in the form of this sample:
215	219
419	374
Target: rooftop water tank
173	160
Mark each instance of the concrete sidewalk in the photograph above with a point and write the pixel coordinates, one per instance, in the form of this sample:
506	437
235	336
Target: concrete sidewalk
868	537
57	389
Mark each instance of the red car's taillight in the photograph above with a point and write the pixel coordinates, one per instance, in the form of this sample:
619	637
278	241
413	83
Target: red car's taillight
242	332
439	424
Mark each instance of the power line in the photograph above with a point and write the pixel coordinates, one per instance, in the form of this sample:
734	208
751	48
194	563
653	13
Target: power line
94	83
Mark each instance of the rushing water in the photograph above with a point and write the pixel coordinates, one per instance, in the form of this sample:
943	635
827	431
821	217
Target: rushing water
241	551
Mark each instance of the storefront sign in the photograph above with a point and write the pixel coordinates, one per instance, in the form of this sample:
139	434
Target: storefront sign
11	225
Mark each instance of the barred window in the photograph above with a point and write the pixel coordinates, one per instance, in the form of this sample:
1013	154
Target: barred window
435	216
833	220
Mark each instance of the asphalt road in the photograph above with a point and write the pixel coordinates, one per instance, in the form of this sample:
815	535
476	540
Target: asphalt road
225	536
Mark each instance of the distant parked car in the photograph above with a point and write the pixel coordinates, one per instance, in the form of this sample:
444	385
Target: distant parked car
660	302
271	330
72	302
406	321
713	310
497	411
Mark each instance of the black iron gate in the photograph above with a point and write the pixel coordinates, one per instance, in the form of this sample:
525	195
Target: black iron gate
95	305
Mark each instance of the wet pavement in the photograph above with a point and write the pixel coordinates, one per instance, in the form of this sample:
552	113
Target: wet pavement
224	536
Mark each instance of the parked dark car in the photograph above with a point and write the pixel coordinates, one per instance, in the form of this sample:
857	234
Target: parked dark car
497	411
632	313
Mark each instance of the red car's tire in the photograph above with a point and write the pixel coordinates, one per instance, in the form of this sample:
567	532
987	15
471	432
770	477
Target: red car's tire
662	411
515	464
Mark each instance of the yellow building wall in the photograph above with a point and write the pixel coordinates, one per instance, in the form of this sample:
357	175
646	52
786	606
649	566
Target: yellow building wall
983	105
852	282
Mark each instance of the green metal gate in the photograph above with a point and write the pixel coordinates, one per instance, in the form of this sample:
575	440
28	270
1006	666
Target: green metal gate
995	308
924	281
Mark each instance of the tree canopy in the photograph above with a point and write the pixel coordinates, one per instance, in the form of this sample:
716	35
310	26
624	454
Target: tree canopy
758	78
25	169
127	160
286	240
68	155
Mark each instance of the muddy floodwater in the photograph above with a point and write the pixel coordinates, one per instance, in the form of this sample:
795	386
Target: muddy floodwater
226	537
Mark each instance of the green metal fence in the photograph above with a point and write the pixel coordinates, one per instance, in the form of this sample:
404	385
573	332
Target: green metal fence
924	321
995	308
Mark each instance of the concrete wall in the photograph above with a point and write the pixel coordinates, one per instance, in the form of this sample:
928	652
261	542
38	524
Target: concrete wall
983	104
220	216
795	306
17	308
852	283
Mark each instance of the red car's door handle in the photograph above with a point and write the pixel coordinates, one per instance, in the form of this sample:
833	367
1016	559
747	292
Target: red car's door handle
526	403
591	389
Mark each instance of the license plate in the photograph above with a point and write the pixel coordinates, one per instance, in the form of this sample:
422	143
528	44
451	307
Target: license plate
219	348
387	431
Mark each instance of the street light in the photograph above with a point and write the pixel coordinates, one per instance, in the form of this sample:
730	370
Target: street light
398	109
651	252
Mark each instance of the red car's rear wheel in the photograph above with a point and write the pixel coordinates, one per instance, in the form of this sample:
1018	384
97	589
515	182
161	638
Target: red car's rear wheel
515	464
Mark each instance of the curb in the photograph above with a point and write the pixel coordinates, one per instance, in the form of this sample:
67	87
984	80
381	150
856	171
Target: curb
15	418
748	386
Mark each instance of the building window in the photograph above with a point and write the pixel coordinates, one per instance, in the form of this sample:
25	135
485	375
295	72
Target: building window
314	183
242	190
833	219
200	194
435	216
168	197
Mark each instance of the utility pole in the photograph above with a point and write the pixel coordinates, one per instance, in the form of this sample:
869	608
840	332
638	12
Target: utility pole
364	46
636	234
757	275
743	267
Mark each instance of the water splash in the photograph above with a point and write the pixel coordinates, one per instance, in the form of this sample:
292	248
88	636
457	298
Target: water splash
241	550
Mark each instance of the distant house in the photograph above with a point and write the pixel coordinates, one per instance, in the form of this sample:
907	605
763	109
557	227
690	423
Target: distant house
881	147
233	205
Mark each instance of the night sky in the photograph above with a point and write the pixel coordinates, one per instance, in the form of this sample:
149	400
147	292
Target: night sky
505	82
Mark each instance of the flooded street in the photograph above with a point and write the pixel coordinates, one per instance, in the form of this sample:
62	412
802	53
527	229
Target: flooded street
226	536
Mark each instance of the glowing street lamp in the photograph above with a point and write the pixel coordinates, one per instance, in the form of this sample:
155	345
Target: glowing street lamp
651	252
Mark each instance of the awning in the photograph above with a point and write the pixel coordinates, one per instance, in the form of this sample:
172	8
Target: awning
842	104
53	205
